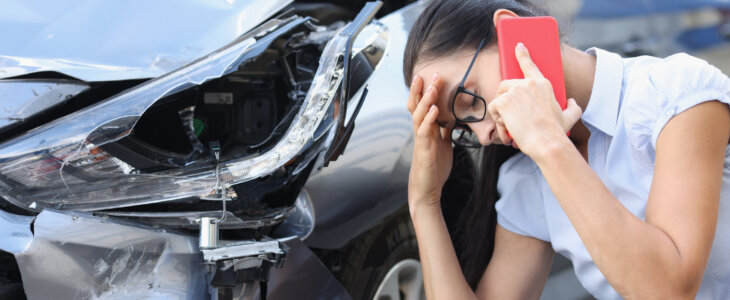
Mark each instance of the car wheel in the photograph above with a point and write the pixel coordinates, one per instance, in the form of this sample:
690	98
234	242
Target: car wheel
11	290
383	263
10	285
403	281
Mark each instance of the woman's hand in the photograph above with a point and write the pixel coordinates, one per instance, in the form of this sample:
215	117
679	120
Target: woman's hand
432	153
528	110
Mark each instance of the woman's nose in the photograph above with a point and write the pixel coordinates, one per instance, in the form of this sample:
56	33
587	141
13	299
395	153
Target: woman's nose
485	131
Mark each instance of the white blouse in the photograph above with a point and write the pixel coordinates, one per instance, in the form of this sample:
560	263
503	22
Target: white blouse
632	100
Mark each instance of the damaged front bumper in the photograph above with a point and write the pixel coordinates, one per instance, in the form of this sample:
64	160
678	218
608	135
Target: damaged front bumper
74	255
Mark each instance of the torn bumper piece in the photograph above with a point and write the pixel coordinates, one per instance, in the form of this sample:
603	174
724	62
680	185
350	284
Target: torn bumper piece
240	266
247	254
76	255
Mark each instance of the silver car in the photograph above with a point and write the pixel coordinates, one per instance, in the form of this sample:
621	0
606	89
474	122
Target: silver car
205	149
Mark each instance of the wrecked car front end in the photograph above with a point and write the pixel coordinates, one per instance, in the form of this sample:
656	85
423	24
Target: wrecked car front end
75	255
170	187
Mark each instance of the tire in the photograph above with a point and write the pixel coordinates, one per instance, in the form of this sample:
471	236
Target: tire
11	290
389	249
10	283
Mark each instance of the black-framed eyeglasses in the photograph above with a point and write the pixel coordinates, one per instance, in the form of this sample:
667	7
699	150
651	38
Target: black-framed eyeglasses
467	107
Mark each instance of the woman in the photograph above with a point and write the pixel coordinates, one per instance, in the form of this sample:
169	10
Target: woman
637	197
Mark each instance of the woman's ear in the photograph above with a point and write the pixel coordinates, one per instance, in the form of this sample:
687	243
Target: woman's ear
503	13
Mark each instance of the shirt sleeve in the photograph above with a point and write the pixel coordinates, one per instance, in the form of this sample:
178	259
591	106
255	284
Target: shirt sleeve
679	82
520	208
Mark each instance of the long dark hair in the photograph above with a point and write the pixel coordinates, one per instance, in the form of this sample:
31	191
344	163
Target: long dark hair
443	28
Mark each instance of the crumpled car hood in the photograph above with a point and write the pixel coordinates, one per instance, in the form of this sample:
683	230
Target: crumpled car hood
104	40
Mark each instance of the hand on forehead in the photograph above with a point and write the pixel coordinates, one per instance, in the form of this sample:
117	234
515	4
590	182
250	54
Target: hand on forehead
441	85
448	80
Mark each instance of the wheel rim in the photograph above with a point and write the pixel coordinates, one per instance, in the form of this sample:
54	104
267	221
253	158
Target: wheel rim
404	281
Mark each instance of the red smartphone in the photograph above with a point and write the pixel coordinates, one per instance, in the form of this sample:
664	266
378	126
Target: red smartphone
540	36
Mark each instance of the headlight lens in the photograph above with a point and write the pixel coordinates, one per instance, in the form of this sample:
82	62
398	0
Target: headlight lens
62	165
24	99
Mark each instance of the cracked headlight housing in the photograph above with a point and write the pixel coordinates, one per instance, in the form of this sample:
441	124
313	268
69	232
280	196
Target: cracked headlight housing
73	162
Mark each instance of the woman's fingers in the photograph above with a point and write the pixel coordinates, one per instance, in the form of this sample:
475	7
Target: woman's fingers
429	127
571	114
415	93
423	106
493	108
504	136
430	96
506	85
526	64
431	162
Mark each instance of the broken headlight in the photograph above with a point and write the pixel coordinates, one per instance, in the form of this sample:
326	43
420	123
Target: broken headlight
93	159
